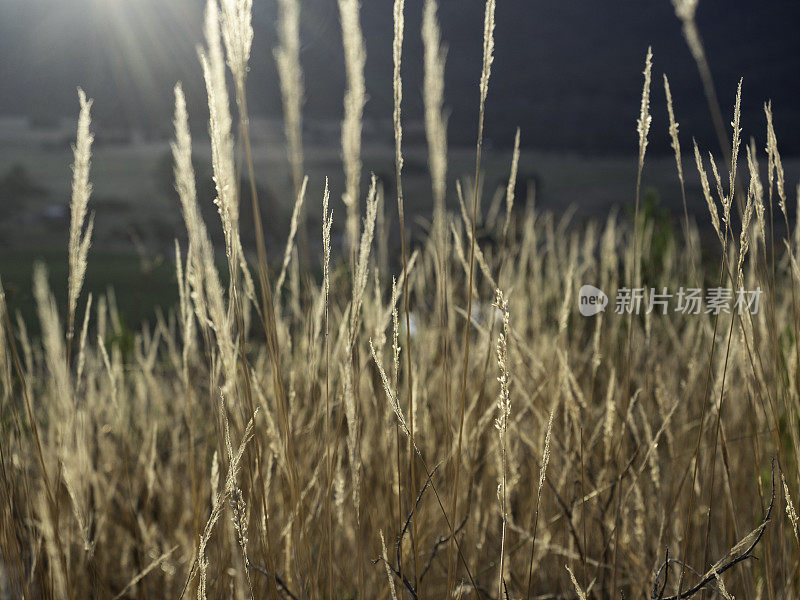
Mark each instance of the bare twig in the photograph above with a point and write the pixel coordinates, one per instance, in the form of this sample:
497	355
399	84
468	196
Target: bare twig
712	575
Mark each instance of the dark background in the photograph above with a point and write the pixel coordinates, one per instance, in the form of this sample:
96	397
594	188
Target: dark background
567	71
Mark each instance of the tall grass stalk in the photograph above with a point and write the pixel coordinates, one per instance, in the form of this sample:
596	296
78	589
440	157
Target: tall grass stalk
397	87
290	73
726	201
675	142
486	70
80	234
355	57
643	129
501	423
686	11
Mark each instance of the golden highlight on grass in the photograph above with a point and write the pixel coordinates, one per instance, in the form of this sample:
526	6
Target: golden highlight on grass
355	57
80	234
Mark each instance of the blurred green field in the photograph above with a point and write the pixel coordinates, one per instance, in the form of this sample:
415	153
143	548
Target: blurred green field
140	289
137	216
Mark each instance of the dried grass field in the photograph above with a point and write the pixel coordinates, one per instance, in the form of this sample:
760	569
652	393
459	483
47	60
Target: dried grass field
382	405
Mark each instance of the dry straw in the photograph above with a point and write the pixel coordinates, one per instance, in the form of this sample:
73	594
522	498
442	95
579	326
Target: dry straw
290	73
501	422
101	470
433	95
80	235
355	57
486	69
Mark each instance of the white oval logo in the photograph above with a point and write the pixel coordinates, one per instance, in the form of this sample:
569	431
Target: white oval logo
591	300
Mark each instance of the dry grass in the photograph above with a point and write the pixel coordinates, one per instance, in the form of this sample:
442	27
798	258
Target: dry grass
253	446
